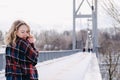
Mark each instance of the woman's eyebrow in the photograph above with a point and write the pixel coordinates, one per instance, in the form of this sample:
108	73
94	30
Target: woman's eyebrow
22	30
25	30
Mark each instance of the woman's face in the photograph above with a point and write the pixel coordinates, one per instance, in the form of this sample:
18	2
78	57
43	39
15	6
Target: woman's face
23	32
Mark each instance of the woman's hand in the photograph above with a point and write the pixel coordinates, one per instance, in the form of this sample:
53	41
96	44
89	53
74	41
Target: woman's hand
31	39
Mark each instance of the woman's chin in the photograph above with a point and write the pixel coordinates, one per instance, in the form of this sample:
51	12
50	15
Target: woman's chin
24	37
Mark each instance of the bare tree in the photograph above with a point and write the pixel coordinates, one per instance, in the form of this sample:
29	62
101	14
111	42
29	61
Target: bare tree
112	9
110	49
81	38
110	44
52	40
1	38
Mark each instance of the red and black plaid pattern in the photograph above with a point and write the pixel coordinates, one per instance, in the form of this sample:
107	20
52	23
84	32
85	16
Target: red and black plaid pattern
21	60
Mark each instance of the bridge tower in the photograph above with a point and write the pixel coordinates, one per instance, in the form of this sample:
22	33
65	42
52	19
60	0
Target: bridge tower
93	15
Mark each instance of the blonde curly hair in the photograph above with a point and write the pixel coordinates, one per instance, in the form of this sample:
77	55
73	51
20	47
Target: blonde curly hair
11	36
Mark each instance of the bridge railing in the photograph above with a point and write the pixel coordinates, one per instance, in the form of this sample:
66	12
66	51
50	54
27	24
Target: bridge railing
43	56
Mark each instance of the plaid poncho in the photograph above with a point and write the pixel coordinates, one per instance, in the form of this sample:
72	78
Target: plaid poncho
21	60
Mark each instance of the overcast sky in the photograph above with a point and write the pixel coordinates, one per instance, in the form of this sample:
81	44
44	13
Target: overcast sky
46	14
42	12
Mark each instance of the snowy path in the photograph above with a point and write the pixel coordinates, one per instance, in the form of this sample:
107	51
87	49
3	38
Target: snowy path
80	66
75	67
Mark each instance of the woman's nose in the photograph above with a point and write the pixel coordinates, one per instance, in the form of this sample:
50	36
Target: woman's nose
27	35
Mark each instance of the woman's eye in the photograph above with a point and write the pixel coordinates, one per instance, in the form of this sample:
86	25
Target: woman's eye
27	32
22	32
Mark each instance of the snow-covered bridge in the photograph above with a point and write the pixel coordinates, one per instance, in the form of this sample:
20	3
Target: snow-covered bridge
78	66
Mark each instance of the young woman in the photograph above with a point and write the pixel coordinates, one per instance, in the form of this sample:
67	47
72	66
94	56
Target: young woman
21	55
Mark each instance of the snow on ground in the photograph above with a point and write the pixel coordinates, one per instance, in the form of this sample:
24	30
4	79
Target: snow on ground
79	66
